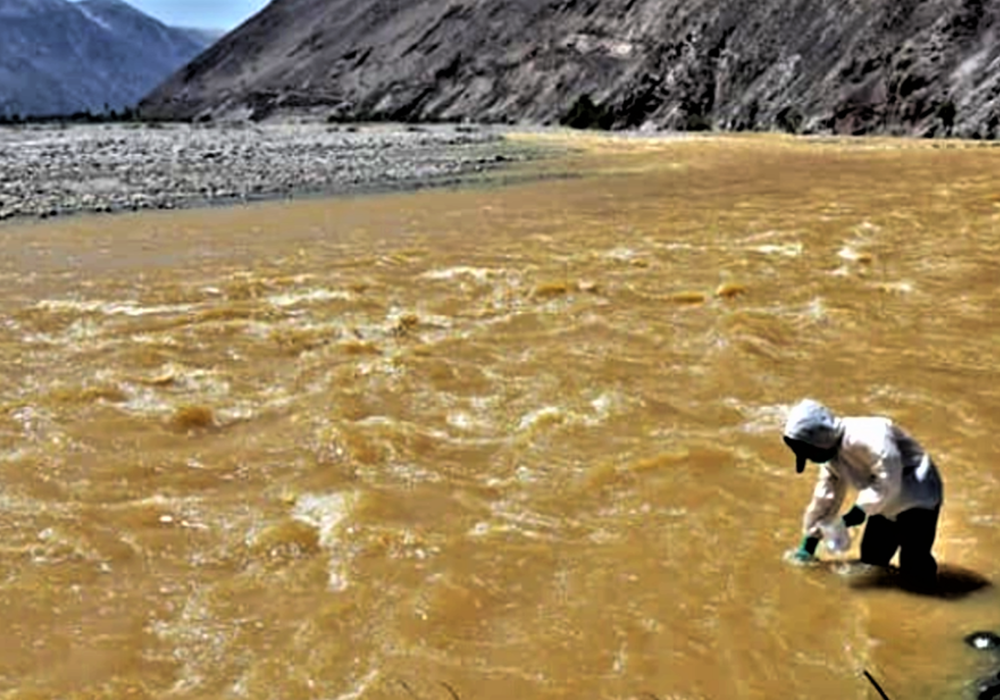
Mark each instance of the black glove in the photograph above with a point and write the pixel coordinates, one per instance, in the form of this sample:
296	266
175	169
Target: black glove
855	516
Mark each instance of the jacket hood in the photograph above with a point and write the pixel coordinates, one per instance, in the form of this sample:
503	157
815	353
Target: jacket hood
813	423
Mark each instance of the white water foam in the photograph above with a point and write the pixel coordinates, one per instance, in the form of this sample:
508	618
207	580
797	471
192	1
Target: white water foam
328	513
111	308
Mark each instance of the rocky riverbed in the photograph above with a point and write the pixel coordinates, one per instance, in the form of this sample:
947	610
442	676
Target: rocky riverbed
51	170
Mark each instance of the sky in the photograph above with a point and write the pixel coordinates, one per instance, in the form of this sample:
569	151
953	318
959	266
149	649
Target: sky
203	14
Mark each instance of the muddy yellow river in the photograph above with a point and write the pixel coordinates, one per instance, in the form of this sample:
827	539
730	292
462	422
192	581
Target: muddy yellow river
495	443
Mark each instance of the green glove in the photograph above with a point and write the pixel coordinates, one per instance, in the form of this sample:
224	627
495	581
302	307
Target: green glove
855	516
807	548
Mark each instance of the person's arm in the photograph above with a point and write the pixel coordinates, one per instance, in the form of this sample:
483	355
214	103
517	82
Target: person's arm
826	501
807	547
828	496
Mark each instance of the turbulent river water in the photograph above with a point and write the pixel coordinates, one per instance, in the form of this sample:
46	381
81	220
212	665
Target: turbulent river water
494	443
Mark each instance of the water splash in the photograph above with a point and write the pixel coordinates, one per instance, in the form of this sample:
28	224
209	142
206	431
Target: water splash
328	514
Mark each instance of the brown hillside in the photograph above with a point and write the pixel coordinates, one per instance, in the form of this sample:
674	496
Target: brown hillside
926	67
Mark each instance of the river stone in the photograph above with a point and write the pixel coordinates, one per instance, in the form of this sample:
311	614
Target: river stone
51	171
986	641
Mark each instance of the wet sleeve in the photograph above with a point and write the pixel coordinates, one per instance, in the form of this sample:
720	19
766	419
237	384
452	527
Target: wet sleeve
826	501
885	480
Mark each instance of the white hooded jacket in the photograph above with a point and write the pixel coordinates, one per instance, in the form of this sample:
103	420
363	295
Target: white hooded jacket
890	471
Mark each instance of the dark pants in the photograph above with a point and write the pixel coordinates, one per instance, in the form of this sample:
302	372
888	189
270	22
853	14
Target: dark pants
912	534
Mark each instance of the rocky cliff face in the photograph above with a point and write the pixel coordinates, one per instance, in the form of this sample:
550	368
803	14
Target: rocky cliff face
58	57
925	67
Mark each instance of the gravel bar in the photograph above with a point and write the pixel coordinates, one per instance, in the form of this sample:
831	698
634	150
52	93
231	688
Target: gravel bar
53	170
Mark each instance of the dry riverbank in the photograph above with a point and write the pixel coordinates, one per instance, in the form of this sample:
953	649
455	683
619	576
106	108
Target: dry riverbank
53	170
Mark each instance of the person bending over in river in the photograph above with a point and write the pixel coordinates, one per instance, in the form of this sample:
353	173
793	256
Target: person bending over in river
899	488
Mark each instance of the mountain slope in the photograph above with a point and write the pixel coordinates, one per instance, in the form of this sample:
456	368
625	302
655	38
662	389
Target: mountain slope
898	66
58	57
203	37
163	48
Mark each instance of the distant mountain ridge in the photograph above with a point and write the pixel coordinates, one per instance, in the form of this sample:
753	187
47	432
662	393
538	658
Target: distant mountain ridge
206	37
59	57
925	67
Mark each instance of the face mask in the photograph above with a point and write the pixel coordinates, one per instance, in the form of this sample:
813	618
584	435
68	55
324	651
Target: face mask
804	451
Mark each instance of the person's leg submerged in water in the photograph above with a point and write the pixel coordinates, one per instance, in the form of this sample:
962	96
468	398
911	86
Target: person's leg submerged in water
913	534
918	529
880	542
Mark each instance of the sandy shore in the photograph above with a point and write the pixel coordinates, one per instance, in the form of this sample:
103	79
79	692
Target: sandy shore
51	170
